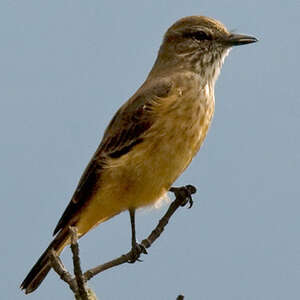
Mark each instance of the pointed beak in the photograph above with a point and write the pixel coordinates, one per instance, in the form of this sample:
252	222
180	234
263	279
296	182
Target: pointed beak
239	39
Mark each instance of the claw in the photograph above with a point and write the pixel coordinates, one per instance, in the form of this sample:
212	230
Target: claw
190	201
185	193
136	252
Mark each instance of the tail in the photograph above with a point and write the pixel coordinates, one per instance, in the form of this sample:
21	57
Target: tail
42	267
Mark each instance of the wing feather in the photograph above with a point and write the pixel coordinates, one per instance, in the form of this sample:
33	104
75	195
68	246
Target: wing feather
126	130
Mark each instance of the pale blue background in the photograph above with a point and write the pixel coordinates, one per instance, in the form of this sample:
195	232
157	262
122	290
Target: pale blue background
65	68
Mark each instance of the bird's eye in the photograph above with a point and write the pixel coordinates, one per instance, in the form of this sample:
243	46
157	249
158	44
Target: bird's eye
201	35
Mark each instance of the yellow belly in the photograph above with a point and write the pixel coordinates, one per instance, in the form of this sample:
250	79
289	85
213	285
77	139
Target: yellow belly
144	175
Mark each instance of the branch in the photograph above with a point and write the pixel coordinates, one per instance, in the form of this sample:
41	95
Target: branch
78	282
80	279
60	269
183	196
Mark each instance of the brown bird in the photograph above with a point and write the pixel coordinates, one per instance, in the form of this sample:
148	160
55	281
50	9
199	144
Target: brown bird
153	137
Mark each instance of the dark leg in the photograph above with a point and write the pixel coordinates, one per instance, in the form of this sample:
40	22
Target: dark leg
136	249
132	221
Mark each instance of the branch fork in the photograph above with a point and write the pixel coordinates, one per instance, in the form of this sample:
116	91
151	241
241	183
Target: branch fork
78	281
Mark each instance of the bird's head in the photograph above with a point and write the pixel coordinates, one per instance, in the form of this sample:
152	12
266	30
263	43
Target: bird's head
198	44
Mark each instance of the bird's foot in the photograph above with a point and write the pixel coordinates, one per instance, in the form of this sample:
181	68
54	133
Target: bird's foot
184	193
135	253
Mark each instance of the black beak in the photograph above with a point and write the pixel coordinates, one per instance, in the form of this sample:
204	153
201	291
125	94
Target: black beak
239	39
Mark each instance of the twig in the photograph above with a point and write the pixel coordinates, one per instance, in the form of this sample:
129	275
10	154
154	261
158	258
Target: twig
60	269
80	279
78	283
183	196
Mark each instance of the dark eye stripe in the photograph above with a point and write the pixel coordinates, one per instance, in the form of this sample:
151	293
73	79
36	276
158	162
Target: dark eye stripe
198	35
201	35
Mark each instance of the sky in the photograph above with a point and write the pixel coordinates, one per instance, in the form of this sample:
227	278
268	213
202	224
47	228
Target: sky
66	67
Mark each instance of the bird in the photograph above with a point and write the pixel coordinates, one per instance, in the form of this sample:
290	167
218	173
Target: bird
152	138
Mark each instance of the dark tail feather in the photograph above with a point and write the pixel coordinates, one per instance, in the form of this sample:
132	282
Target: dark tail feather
40	270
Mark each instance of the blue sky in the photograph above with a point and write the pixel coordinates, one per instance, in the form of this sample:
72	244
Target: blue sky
65	68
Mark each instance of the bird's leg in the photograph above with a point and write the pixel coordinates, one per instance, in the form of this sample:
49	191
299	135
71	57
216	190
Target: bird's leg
136	248
133	233
184	193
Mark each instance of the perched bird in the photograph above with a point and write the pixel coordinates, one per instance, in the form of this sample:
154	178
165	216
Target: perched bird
153	137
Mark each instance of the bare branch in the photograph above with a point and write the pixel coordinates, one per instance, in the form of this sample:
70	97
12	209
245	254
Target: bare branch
78	283
183	196
80	279
60	269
